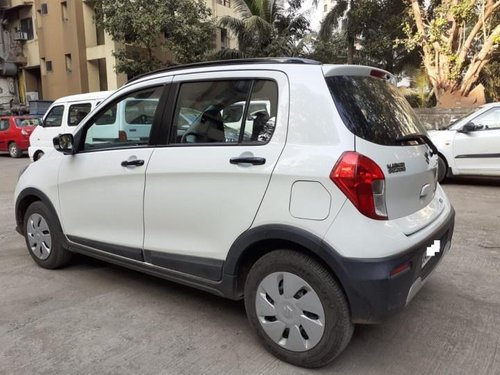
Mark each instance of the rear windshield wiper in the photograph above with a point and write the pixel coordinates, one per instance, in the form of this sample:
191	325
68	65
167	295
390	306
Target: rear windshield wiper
423	138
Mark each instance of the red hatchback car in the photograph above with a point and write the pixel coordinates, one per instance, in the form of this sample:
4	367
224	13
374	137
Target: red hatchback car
15	133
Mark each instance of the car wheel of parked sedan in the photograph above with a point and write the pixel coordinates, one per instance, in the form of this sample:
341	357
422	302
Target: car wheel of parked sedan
38	155
297	309
14	151
44	237
442	169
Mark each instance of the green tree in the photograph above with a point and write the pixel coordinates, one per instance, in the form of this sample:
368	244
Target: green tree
263	28
372	25
456	39
147	29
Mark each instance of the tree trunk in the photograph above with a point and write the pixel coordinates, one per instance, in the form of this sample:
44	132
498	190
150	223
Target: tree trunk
350	50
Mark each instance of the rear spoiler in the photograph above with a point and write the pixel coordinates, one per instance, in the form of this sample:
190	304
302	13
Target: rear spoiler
358	70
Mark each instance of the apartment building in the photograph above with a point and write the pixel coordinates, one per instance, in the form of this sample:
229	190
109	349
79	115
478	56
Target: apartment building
52	48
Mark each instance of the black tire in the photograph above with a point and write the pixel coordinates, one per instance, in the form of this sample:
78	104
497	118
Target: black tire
14	151
58	256
38	155
442	169
338	327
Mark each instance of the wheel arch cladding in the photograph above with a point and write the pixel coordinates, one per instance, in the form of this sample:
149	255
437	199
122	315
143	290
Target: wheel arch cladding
25	199
256	242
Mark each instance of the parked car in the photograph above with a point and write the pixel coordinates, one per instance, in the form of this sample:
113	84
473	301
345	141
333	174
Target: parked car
470	145
62	117
328	213
15	133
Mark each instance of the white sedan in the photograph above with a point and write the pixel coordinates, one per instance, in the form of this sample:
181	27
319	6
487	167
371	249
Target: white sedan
471	145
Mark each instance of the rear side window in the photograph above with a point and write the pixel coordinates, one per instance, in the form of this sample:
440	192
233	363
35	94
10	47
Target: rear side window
4	124
20	122
54	117
225	111
77	113
373	109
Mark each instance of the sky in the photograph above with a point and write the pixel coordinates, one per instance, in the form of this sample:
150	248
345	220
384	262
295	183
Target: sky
313	12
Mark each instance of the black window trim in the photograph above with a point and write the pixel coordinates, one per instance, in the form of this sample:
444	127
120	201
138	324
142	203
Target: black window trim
169	113
158	120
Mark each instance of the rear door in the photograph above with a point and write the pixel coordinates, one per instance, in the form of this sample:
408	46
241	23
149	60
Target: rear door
204	188
388	132
478	152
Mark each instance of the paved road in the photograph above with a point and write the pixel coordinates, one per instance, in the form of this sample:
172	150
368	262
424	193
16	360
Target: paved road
97	318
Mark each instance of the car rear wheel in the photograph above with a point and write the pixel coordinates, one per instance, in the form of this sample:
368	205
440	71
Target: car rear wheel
44	238
14	151
297	309
442	169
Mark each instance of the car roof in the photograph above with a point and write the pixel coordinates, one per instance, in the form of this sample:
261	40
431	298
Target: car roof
97	95
232	62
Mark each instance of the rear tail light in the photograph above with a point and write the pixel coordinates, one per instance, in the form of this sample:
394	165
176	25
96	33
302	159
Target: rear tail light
363	183
24	132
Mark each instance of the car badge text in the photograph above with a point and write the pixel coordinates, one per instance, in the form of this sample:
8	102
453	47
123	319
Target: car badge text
396	167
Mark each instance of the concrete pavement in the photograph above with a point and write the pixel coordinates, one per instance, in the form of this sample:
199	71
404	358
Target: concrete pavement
92	317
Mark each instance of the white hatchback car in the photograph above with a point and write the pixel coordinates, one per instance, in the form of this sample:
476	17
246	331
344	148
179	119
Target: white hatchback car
471	145
323	211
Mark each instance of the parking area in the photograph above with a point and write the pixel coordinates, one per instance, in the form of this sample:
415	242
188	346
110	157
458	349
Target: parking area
92	317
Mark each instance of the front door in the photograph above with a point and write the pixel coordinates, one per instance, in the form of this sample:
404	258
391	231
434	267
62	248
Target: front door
204	188
478	152
101	187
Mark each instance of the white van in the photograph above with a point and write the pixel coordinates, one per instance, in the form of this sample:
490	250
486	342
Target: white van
62	117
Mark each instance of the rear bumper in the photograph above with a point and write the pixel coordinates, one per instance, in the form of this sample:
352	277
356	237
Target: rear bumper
374	295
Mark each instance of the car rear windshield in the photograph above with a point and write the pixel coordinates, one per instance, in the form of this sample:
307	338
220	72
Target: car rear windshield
373	109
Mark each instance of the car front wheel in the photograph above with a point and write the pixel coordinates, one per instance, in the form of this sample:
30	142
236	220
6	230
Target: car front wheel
442	169
44	238
297	309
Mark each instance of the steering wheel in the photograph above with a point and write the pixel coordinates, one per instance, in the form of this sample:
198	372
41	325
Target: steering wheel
187	134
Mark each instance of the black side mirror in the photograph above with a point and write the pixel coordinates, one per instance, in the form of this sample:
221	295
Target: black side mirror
64	143
470	127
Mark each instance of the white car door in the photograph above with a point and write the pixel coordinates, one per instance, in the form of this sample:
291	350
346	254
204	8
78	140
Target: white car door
204	188
101	187
478	152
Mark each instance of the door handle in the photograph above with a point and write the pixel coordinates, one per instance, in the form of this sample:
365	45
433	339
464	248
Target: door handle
254	160
136	163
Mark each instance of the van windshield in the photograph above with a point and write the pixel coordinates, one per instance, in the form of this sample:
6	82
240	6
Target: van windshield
373	109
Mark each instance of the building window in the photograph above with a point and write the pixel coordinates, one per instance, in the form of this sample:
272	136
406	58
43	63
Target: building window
64	11
67	58
27	27
224	40
44	9
48	66
325	8
226	3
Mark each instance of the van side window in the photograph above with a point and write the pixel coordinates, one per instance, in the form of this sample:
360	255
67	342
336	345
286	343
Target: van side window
126	122
54	117
77	112
216	112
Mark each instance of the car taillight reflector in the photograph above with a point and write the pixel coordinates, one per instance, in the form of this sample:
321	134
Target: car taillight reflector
363	183
400	269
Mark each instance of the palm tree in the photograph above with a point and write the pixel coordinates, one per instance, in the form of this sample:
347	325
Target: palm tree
342	11
255	28
266	29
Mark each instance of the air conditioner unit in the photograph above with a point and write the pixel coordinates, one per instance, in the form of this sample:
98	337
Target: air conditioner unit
31	95
21	35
